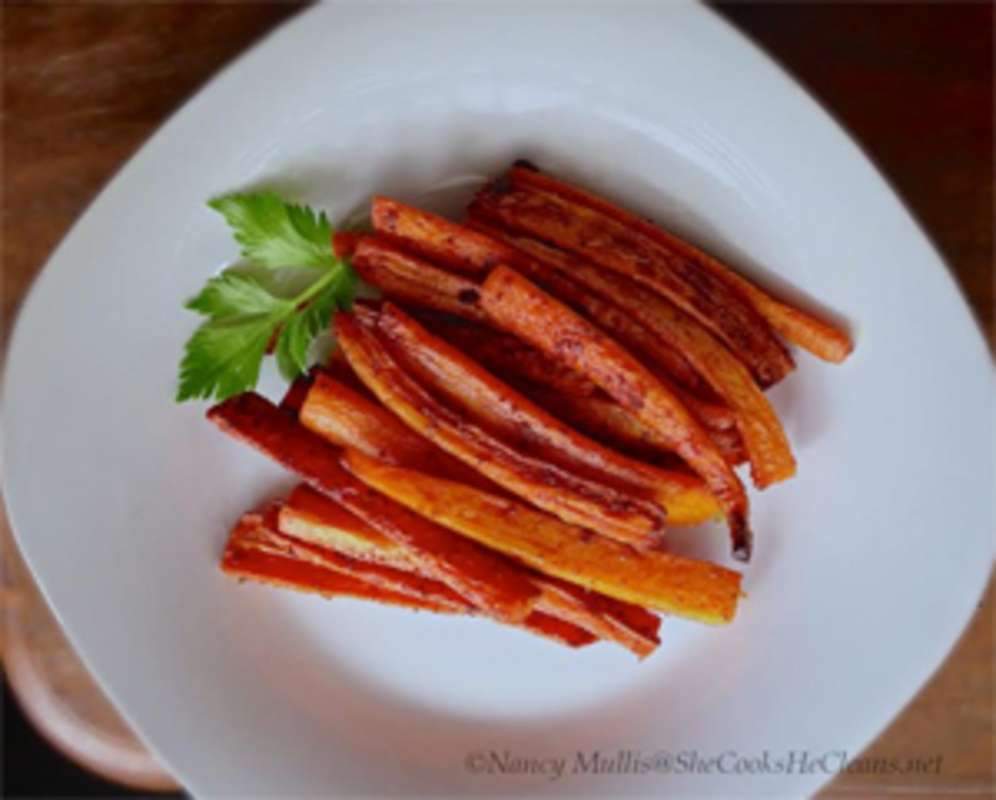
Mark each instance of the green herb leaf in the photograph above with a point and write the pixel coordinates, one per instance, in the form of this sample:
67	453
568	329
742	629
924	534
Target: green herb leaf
233	294
223	357
274	233
246	309
301	329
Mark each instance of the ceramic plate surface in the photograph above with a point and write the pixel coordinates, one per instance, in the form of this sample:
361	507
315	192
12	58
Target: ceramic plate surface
867	567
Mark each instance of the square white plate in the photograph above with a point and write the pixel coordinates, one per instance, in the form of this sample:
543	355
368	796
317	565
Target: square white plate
868	565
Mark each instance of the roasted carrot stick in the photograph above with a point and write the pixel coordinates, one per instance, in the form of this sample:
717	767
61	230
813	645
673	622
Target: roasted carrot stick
449	373
587	232
249	557
474	252
518	306
552	488
433	237
311	517
346	418
243	558
505	354
654	579
267	537
604	420
801	328
406	278
765	440
472	571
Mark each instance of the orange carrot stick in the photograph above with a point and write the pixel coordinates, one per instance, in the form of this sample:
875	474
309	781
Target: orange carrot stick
592	234
653	578
762	434
819	337
554	489
520	307
449	373
408	279
473	572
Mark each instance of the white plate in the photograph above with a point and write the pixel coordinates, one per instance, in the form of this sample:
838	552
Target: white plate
868	565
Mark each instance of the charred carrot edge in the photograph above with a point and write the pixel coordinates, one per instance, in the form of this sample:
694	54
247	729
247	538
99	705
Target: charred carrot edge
819	337
406	278
612	245
482	577
433	237
520	307
604	420
344	243
552	488
762	434
310	516
448	372
653	578
293	399
505	354
246	561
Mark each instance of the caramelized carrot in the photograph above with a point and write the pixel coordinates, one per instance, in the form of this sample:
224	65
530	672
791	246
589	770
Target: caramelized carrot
552	488
819	337
449	373
472	571
309	516
434	238
247	557
520	307
589	233
761	433
653	578
408	279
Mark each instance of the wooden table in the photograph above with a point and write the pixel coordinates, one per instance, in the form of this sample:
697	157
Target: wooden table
85	84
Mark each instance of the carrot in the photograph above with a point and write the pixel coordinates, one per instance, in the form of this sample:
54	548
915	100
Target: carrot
520	307
434	238
473	572
449	373
309	516
590	233
653	578
604	420
403	277
507	355
245	558
253	553
344	417
819	337
552	488
761	432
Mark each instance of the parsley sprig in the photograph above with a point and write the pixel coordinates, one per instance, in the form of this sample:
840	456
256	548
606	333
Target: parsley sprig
245	310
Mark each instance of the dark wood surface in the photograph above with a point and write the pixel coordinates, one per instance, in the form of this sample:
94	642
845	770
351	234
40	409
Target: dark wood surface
85	84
